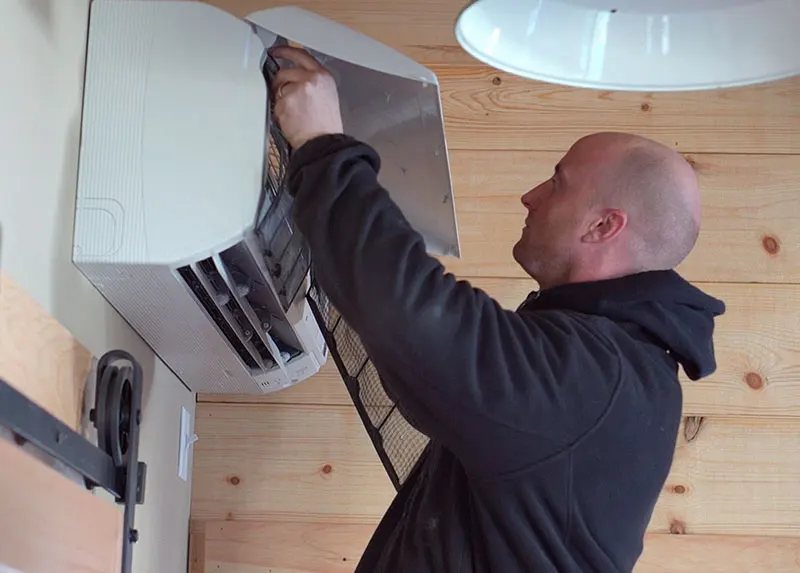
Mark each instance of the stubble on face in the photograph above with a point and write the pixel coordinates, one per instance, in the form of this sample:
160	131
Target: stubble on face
552	227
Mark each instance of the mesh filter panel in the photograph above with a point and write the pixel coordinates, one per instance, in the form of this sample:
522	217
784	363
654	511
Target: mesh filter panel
402	443
285	251
398	443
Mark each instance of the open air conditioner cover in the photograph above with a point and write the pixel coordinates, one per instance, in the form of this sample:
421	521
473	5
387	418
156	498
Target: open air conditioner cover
182	219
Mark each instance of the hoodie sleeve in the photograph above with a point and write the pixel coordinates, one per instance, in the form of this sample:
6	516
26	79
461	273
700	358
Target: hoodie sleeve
496	387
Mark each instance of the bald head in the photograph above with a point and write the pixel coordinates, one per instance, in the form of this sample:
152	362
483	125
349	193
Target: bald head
617	204
657	189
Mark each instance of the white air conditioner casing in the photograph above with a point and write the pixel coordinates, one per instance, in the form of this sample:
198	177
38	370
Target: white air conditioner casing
175	133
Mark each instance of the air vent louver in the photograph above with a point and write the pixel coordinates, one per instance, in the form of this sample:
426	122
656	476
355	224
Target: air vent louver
213	302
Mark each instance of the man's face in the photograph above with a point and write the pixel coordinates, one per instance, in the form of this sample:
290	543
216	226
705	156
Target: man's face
554	224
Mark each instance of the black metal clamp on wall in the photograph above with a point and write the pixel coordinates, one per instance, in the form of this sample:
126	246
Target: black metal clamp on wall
114	463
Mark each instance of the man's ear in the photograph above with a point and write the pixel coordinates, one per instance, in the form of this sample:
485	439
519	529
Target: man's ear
606	226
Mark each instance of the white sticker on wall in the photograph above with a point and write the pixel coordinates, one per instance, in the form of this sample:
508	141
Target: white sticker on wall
187	439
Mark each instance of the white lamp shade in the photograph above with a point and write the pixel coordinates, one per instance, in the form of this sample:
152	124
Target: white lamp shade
638	45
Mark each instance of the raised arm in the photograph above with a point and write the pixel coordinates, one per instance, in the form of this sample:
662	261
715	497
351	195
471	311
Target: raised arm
478	378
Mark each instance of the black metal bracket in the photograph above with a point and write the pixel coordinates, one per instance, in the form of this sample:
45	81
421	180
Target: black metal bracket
113	465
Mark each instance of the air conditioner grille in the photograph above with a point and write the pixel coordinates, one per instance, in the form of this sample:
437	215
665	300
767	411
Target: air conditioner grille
205	299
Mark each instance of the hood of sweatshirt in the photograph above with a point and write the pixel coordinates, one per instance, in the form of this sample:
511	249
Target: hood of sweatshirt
675	313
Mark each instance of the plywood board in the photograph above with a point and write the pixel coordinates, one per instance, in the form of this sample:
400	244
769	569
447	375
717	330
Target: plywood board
310	547
757	347
39	357
48	523
300	463
750	208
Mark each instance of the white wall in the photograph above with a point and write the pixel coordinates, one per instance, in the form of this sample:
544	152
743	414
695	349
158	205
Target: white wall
42	47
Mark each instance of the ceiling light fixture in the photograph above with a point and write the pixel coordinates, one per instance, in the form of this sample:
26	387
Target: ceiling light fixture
638	45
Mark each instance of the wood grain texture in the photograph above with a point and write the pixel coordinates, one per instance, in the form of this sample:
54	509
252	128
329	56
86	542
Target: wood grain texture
39	357
315	463
311	547
39	528
747	201
737	476
719	554
421	29
284	547
488	109
757	344
286	462
197	545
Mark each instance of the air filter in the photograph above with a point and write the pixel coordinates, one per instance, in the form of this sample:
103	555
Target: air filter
398	444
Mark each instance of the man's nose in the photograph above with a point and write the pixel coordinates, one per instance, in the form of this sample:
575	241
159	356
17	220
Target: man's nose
530	199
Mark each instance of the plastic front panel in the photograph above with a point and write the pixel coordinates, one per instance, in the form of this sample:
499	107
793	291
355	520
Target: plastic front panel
172	143
392	103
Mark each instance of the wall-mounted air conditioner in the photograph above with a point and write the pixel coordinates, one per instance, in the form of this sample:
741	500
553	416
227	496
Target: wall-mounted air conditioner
182	221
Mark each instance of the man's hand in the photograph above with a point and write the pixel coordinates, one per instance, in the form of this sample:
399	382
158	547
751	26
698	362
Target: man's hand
307	103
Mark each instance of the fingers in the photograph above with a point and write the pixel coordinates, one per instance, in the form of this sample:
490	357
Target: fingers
287	76
298	56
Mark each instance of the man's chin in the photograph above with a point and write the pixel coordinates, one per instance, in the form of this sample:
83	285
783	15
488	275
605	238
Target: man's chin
516	252
525	258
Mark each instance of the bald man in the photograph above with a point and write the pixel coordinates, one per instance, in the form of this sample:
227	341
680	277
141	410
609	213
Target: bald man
617	204
553	427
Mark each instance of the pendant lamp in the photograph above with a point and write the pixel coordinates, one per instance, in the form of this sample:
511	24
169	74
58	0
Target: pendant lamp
636	45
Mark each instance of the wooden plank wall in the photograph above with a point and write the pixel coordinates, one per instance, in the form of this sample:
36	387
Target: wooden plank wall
289	482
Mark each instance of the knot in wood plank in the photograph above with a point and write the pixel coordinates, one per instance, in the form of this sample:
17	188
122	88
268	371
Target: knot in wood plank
677	527
771	244
754	380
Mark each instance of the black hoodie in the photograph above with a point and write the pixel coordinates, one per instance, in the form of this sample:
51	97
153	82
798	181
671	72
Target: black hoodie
552	428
